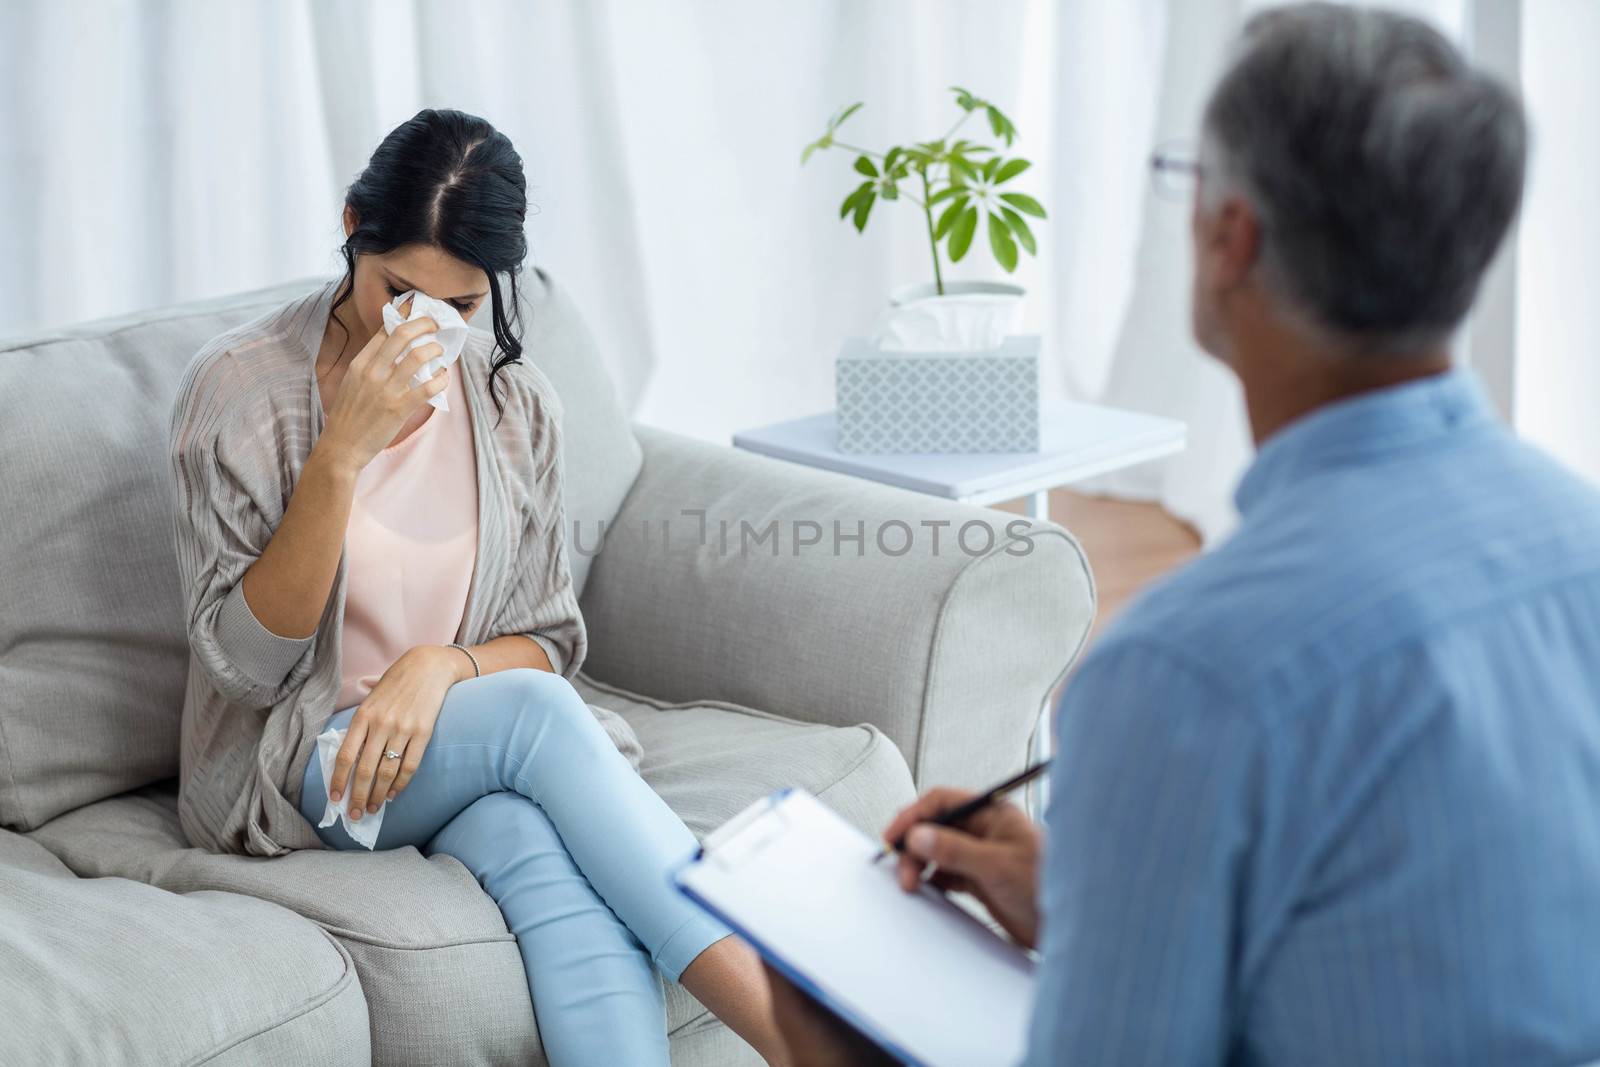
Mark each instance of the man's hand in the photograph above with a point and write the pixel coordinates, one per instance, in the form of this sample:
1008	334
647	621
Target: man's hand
994	856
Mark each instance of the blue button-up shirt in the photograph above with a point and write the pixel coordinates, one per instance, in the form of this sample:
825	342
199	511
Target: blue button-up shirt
1331	793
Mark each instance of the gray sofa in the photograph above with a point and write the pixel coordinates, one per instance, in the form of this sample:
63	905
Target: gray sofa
859	677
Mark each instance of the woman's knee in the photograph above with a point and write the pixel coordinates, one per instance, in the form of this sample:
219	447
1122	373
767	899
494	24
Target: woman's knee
497	826
551	697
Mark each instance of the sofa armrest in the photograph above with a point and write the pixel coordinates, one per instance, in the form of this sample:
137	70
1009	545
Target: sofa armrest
829	599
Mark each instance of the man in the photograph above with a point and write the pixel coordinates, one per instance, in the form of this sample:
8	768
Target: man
1331	793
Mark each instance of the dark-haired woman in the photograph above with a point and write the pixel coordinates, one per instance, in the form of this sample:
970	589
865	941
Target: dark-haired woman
356	557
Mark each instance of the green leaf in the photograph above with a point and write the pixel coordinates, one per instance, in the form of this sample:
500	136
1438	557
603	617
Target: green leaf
1020	229
948	219
961	233
805	155
1005	249
946	193
962	172
864	166
1024	203
989	168
891	157
1011	169
855	195
965	100
888	190
1000	124
838	120
864	208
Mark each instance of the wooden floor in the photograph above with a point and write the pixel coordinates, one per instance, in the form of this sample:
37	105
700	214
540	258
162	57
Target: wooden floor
1128	544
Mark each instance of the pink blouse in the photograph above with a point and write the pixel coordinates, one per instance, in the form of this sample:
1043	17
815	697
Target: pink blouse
410	546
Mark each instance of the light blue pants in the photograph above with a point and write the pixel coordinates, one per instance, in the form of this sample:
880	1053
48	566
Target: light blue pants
522	785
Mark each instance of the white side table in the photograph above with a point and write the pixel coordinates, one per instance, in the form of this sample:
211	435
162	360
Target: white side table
1077	440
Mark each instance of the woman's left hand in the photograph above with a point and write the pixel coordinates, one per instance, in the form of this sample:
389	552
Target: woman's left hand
398	714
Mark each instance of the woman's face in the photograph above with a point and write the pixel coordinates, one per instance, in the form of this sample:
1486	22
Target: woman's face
379	278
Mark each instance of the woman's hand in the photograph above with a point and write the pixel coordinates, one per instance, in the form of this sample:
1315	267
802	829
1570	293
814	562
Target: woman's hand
376	396
994	855
399	713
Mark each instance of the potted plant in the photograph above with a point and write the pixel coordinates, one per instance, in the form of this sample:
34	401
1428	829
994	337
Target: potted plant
960	185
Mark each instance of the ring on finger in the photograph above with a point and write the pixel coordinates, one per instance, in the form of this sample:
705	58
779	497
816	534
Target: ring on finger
393	749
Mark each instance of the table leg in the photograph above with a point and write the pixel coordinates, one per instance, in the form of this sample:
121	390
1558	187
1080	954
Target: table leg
1039	505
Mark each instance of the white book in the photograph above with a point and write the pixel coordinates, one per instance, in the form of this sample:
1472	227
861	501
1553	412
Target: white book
914	972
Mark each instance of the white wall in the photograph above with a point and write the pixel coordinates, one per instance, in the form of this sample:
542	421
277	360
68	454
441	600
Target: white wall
1558	291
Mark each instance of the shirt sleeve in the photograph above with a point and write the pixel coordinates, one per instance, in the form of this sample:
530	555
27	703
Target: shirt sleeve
218	533
1146	833
542	605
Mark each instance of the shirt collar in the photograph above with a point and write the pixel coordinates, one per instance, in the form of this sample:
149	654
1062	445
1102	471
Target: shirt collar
1363	427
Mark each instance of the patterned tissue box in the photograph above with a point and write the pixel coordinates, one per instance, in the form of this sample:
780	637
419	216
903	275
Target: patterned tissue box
939	401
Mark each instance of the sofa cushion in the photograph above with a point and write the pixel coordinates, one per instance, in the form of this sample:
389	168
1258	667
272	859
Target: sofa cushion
600	457
95	648
110	970
420	929
414	926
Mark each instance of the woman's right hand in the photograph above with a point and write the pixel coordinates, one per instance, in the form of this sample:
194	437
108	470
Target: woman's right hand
377	397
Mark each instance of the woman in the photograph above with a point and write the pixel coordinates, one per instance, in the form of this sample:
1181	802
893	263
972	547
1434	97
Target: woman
357	558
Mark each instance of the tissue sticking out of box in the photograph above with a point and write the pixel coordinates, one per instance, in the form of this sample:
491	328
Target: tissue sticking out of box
954	322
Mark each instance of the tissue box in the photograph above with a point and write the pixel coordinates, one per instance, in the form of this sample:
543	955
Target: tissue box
893	401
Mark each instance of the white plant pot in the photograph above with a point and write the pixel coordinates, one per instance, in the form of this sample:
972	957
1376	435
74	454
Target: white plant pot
969	317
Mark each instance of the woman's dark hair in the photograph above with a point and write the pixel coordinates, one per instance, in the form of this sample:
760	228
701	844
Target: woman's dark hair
450	180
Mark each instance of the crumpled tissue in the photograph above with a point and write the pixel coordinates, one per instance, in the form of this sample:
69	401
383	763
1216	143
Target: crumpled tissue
451	336
364	829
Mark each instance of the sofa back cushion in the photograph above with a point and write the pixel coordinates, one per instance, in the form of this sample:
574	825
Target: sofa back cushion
600	457
93	648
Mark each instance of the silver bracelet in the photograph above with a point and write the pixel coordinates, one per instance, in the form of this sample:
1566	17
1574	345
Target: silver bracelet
476	673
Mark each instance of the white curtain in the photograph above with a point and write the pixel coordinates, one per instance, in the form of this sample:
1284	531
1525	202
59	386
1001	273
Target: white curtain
1162	60
156	152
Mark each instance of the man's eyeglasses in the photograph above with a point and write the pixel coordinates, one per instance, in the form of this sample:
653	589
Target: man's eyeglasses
1175	169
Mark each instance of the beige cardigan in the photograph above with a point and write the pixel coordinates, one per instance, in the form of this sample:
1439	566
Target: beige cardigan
243	423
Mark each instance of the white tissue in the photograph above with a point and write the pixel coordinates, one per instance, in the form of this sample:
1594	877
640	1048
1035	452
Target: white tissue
452	334
364	829
963	322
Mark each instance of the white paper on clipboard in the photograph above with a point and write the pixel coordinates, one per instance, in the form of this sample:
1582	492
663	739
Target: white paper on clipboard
914	972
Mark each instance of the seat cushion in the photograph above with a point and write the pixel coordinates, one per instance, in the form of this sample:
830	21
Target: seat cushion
96	651
111	970
421	931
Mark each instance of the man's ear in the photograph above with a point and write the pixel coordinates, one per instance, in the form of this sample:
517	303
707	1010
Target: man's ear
1234	242
350	220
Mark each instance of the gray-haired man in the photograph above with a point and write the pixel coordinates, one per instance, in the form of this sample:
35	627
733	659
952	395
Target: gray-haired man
1331	793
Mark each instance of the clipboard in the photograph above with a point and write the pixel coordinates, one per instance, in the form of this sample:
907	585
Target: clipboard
915	973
